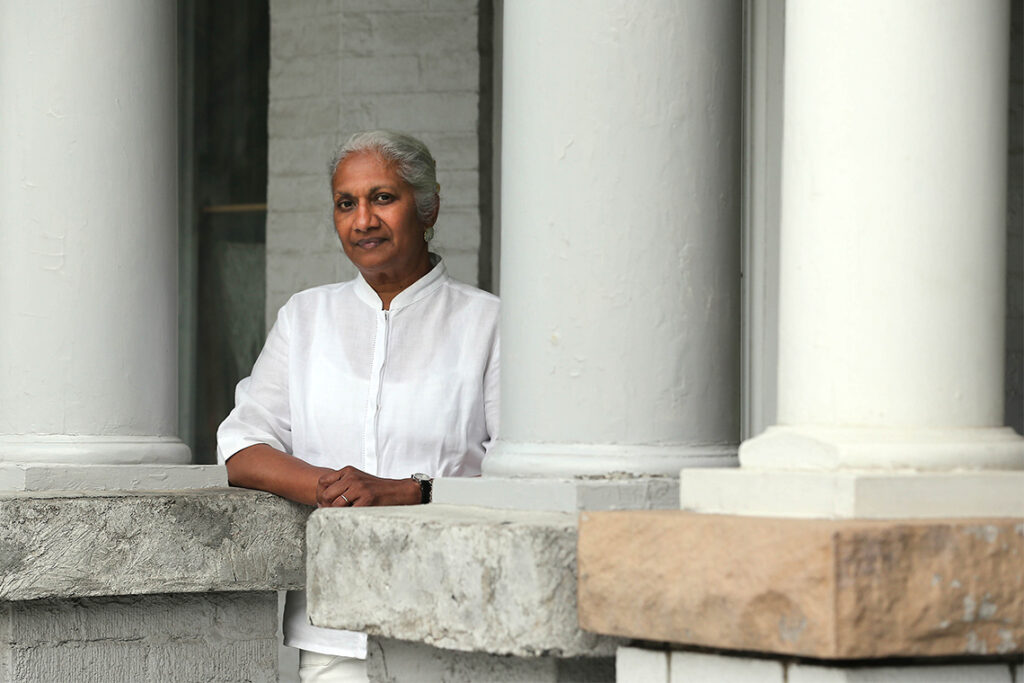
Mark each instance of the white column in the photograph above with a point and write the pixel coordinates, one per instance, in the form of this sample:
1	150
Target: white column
88	232
892	268
620	237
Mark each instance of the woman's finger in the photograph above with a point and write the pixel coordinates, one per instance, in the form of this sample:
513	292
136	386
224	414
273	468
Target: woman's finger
328	478
330	496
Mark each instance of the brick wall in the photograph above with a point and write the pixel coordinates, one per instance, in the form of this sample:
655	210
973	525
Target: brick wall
339	66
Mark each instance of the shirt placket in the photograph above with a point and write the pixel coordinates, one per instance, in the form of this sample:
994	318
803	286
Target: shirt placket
371	460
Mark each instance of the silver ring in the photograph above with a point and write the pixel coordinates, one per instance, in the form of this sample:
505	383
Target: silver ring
346	499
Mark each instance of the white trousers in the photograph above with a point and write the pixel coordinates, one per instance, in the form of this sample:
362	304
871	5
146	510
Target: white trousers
315	667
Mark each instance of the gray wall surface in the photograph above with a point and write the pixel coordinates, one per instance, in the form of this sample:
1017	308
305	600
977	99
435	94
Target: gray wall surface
340	66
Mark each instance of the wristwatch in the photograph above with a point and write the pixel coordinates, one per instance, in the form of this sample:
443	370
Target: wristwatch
426	483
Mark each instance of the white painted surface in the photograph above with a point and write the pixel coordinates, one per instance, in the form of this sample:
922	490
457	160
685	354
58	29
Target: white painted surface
853	494
694	667
637	665
892	270
88	230
559	495
55	477
831	448
620	236
948	673
893	219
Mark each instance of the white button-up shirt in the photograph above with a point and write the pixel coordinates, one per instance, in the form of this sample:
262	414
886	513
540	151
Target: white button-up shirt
342	382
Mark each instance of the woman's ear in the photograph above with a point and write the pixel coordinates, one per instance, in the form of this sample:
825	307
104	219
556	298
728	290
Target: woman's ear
432	218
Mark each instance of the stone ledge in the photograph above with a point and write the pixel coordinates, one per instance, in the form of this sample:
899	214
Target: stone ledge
827	589
75	545
454	577
40	477
560	495
853	494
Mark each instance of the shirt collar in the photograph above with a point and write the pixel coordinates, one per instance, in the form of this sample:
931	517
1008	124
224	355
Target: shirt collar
414	292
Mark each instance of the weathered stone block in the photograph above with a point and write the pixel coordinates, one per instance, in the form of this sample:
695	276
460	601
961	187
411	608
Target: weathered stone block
185	637
455	577
77	545
816	588
398	661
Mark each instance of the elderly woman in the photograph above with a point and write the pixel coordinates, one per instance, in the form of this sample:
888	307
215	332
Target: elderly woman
367	389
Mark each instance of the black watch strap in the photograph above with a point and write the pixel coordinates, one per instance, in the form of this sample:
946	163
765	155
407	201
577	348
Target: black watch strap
426	483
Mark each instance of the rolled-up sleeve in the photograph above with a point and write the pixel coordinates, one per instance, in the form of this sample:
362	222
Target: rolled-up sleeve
262	412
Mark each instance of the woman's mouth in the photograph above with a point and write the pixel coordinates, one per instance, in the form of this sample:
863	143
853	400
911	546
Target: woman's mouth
370	242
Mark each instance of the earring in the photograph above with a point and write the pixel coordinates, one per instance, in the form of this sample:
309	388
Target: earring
428	234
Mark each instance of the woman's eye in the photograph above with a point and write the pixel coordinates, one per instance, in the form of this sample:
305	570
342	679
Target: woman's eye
384	197
344	204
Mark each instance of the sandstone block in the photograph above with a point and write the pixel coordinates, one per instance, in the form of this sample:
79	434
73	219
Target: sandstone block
815	588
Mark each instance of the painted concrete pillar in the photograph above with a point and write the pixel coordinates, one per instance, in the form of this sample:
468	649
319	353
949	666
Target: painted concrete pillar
893	256
620	237
892	269
88	232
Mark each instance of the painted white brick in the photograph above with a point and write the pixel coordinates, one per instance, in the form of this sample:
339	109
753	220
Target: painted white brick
386	5
303	76
298	37
303	232
459	189
383	74
694	667
450	71
453	152
636	665
453	5
951	673
461	265
422	33
303	118
440	112
459	228
302	156
357	35
338	66
285	9
298	193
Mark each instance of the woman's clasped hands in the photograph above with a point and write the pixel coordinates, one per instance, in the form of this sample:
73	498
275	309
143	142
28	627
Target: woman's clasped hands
351	487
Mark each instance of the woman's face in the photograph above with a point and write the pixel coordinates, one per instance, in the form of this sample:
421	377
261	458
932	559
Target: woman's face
376	219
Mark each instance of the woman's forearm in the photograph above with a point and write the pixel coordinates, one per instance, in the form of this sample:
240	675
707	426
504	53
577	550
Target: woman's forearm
265	468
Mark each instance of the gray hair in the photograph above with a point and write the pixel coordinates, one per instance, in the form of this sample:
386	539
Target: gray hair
411	158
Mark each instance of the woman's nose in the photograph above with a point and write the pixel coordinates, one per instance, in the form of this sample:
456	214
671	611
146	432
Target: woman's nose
365	217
